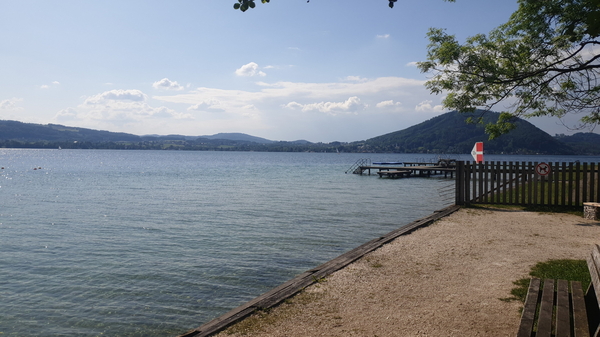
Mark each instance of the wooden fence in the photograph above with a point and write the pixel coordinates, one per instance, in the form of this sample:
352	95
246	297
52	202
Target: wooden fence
527	183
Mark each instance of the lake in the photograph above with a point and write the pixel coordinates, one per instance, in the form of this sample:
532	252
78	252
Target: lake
155	243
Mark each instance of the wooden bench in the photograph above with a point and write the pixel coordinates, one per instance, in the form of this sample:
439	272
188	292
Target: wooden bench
557	311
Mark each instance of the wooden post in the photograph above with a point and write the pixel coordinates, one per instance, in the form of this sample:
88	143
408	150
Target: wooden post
584	187
555	169
593	181
571	182
460	182
577	184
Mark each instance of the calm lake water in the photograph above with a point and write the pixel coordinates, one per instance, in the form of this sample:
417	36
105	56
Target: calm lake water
155	243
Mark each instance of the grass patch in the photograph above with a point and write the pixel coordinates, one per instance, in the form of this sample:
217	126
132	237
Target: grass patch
571	270
494	206
574	210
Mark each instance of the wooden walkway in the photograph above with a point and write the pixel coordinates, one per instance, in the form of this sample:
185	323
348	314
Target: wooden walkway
294	286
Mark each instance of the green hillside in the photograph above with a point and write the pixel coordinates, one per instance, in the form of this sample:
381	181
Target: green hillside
28	132
449	133
585	143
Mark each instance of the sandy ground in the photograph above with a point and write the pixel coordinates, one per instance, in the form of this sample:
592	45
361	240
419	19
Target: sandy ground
443	280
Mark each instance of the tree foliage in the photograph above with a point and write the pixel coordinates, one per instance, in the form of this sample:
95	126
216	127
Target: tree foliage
544	61
243	5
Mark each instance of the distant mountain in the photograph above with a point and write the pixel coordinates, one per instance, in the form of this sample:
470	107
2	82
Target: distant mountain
449	133
586	143
28	132
301	142
239	136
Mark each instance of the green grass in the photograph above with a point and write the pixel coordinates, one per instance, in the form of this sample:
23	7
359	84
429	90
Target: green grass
575	210
568	182
572	270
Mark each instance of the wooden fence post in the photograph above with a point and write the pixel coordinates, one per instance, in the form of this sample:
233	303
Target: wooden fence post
460	181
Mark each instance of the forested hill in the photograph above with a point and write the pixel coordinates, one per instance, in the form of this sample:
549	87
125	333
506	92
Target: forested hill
583	143
449	133
28	132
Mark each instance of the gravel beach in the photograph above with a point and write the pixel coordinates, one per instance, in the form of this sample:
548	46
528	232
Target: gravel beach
446	279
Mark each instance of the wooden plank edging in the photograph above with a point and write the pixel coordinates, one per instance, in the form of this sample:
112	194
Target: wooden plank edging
297	284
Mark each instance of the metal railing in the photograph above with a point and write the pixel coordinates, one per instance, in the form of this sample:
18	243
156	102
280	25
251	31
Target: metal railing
355	168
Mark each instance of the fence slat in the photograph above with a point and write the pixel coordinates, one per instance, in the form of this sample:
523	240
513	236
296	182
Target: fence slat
500	191
480	167
535	187
505	194
485	183
549	178
523	182
474	181
584	184
570	182
577	184
555	175
592	181
564	186
509	177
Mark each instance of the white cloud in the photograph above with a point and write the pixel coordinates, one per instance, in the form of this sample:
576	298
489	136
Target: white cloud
387	104
412	64
66	114
351	105
10	104
383	36
293	105
46	86
210	104
116	109
278	106
249	70
426	106
356	79
167	84
116	95
272	96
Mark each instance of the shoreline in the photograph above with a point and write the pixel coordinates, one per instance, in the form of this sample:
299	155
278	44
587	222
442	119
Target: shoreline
292	287
451	278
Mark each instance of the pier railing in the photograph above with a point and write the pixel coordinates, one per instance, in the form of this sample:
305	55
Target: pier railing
527	183
356	167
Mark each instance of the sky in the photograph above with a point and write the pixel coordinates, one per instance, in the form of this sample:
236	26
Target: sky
322	71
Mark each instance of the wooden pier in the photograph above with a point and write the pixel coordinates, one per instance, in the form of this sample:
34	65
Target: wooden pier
406	170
